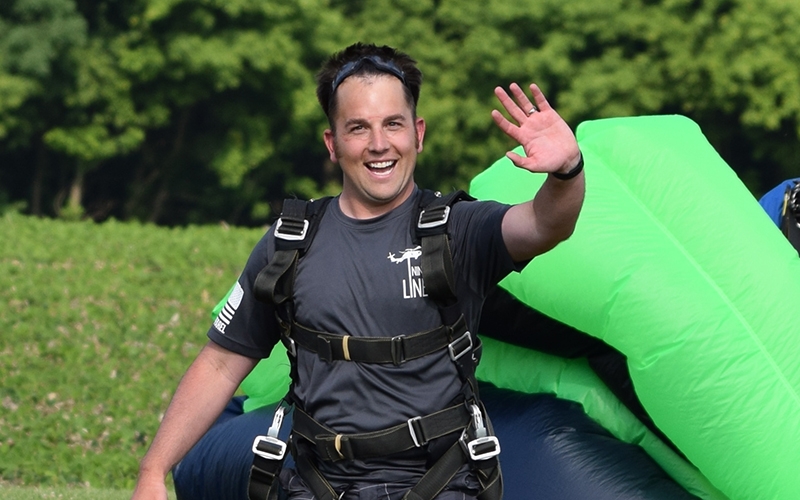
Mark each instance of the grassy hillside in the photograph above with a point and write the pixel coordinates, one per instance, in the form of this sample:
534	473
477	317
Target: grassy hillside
98	324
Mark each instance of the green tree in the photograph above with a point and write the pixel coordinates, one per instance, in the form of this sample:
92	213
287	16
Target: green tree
180	111
37	38
235	79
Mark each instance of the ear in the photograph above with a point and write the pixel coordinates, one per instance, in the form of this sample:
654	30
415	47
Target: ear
420	126
330	143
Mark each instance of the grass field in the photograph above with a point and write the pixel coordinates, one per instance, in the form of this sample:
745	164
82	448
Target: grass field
69	493
99	322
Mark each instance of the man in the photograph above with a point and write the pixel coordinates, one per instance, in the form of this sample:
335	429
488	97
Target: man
345	283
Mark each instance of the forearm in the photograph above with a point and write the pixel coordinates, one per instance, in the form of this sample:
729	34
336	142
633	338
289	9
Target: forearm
557	205
200	397
534	227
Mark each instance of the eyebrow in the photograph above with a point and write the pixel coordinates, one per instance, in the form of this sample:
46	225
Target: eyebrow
395	118
362	121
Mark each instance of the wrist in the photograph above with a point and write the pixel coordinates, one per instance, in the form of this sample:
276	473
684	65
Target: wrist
573	172
151	472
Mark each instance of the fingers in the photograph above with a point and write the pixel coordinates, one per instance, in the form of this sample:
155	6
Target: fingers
522	100
539	99
521	107
510	106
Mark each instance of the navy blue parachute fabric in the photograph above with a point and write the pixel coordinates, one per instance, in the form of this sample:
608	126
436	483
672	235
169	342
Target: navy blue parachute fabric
550	451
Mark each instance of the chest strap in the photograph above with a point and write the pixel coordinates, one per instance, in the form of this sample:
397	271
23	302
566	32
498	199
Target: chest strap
395	350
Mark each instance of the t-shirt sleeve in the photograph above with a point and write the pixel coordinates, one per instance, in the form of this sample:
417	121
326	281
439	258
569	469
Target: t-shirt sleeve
245	325
479	246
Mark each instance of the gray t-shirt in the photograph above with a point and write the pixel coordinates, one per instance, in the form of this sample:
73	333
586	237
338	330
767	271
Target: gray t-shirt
363	278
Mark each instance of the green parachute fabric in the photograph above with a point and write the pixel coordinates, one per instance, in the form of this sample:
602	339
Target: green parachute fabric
674	263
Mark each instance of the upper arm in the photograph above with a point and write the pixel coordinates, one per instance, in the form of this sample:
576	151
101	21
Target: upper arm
232	366
534	227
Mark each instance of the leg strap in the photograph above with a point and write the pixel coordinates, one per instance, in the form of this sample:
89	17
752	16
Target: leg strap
269	453
414	433
443	471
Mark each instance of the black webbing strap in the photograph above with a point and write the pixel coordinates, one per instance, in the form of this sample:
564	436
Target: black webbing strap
490	476
395	350
294	232
480	453
313	478
439	476
274	285
430	229
269	452
270	285
414	433
294	225
263	474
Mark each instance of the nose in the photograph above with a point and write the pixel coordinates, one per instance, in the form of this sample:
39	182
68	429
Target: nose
378	143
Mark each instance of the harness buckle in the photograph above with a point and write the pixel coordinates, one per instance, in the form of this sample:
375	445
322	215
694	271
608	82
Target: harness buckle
433	217
483	446
415	429
460	346
288	343
398	354
269	446
291	229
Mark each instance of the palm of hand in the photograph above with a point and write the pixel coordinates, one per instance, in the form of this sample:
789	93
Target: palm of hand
548	141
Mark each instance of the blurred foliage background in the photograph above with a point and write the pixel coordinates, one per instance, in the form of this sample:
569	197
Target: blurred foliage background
196	111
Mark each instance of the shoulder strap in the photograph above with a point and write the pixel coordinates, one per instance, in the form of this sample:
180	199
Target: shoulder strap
429	228
298	223
294	231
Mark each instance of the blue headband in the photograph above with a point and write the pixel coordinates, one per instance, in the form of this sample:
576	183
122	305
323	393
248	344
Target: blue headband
379	63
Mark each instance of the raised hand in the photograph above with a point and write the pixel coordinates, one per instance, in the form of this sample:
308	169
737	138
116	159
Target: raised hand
549	143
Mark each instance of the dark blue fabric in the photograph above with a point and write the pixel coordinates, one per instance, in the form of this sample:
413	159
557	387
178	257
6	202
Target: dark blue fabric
772	201
218	467
550	451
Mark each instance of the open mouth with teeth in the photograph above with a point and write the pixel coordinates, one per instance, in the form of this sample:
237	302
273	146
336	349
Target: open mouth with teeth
381	166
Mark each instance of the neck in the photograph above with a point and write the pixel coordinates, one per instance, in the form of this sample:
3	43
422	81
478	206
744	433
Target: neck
359	209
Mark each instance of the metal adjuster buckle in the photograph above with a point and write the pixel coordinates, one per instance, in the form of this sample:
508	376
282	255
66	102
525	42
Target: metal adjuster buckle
483	446
415	429
276	449
460	346
292	232
433	218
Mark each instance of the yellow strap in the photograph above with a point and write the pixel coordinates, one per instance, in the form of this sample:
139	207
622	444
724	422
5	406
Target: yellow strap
337	443
346	349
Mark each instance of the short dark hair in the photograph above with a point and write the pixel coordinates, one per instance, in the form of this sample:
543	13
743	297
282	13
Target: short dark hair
367	59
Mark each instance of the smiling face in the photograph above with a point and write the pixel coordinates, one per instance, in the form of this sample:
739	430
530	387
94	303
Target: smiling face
376	142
